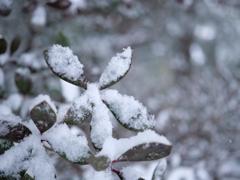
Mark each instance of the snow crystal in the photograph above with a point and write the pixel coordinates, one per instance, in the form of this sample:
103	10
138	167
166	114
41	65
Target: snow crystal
40	98
63	142
101	124
128	111
39	16
119	147
63	62
14	160
117	67
130	173
10	120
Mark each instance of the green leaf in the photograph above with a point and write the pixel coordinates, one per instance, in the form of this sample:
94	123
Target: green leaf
3	45
146	152
62	40
43	116
13	131
23	80
15	44
99	163
5	145
27	177
60	4
7	177
117	68
79	81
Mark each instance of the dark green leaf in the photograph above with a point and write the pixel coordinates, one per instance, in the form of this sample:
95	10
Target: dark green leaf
116	69
15	44
81	81
62	40
43	116
3	45
13	131
5	145
7	177
99	163
23	80
27	177
60	4
146	152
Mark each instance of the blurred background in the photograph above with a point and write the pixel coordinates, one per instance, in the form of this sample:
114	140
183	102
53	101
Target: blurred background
185	70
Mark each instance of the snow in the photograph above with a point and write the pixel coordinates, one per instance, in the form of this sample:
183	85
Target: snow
39	99
100	175
77	4
5	3
14	160
160	169
117	67
66	88
10	120
79	108
130	173
23	71
62	141
100	124
13	101
180	173
128	111
1	78
114	148
4	109
63	62
39	16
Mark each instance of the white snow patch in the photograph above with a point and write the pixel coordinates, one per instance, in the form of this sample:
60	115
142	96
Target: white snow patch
14	101
39	17
40	98
100	175
114	148
10	120
63	142
63	62
117	67
130	173
180	173
4	109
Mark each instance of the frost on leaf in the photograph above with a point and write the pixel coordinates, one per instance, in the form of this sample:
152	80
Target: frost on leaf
78	111
5	145
16	159
129	112
73	148
43	113
65	65
146	145
12	129
117	68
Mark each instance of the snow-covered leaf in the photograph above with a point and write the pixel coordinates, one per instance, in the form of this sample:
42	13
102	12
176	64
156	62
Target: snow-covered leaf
146	152
117	68
12	129
129	112
23	80
5	145
65	65
159	170
73	148
116	148
15	44
60	4
3	45
99	163
43	115
129	173
78	111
